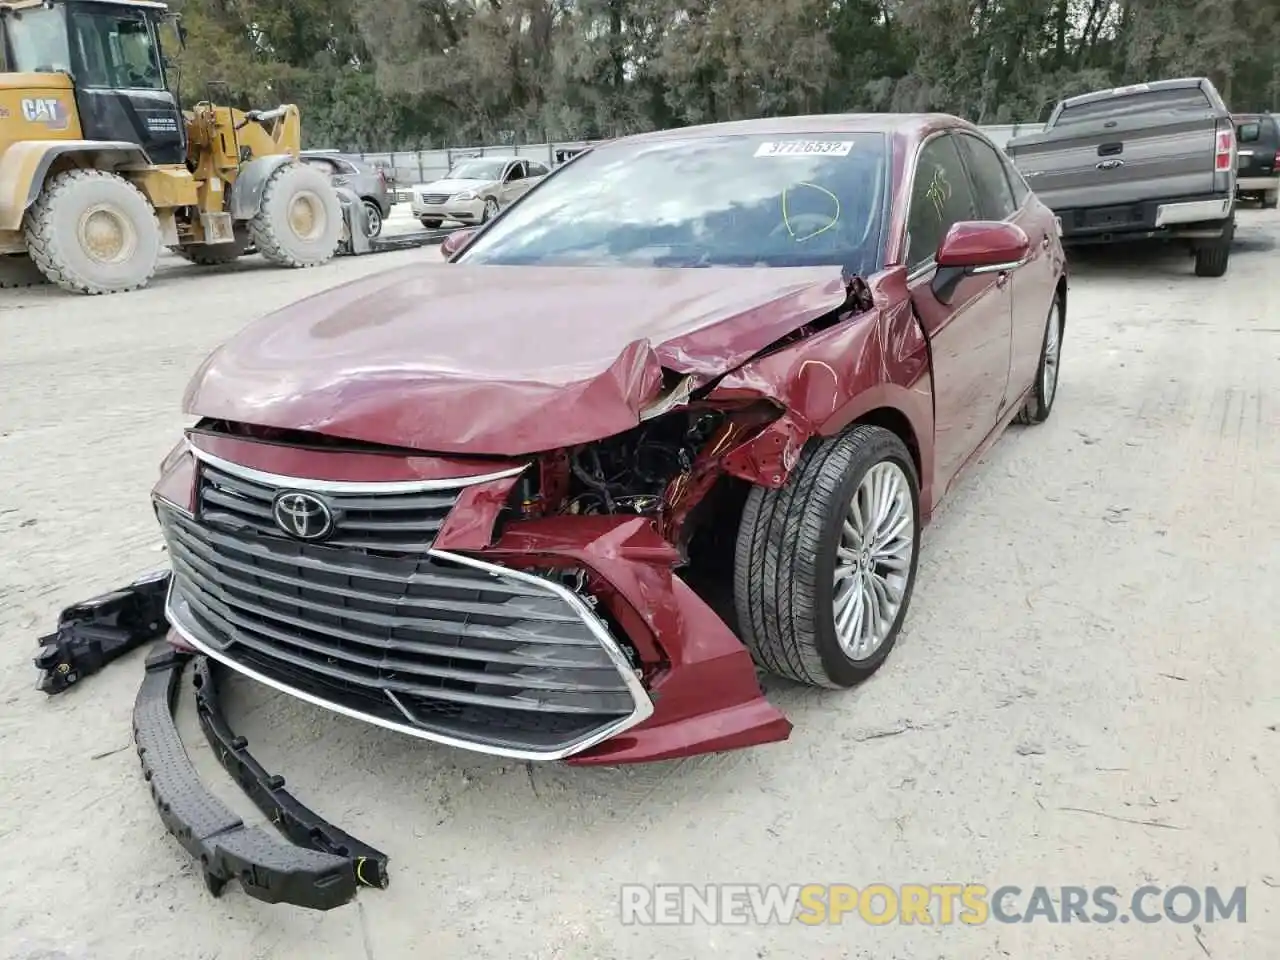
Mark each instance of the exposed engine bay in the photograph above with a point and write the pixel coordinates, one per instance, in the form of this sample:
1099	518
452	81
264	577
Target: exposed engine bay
632	472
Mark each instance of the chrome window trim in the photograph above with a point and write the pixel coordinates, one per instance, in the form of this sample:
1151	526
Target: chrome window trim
643	704
348	486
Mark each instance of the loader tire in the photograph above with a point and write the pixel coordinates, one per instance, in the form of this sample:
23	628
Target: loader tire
93	232
300	221
19	270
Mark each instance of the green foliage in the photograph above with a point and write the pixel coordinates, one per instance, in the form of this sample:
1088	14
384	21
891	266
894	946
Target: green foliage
412	74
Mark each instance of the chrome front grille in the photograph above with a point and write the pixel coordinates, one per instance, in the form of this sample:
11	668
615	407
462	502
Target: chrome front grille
435	198
395	523
441	646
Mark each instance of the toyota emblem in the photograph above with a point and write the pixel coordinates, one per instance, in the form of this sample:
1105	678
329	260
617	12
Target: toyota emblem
302	515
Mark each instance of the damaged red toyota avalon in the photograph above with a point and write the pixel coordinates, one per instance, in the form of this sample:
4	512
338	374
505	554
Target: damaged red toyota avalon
678	412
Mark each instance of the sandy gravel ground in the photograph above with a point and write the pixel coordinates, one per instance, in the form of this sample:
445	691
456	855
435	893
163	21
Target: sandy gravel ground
1087	692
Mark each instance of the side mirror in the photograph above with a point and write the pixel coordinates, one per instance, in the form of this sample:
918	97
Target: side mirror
974	247
983	246
455	241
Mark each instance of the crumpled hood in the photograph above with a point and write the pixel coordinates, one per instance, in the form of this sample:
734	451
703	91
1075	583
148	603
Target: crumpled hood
451	186
499	359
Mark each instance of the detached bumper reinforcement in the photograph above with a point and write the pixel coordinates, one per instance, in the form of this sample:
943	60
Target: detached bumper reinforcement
321	875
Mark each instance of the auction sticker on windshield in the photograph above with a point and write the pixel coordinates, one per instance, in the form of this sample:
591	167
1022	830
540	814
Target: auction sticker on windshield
805	148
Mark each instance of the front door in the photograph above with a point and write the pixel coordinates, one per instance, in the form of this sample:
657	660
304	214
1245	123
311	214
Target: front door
515	182
969	336
121	93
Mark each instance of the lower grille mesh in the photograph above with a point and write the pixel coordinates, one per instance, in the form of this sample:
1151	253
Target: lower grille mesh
452	650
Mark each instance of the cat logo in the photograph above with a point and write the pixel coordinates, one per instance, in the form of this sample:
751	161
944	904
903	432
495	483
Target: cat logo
48	111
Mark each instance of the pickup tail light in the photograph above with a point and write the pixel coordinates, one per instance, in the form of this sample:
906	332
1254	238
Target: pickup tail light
1224	156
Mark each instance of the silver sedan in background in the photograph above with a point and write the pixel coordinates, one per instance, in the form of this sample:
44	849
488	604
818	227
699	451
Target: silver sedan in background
475	190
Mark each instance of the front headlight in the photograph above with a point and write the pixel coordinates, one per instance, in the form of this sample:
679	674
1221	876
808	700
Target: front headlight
465	195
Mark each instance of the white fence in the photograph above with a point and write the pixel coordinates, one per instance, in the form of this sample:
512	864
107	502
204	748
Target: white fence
423	166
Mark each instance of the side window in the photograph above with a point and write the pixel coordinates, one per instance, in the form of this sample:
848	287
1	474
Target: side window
990	182
537	169
1250	132
1020	189
516	172
940	197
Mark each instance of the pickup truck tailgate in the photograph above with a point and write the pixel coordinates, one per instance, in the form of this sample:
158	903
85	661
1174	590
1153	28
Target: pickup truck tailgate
1099	163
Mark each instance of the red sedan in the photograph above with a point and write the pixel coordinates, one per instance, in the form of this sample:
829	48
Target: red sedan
679	412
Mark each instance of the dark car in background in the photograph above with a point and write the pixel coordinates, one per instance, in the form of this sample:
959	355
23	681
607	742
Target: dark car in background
372	184
1257	152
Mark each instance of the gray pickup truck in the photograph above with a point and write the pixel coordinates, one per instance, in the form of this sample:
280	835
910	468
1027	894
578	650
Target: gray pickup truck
1149	161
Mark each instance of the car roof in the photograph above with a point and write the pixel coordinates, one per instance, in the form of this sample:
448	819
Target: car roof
909	125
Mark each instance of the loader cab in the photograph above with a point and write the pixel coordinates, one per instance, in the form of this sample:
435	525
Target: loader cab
111	51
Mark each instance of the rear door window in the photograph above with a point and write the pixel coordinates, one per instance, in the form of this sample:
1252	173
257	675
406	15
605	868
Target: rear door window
991	183
1249	132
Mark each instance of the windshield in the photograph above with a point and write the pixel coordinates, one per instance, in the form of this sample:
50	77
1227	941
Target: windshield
479	169
735	200
38	41
115	51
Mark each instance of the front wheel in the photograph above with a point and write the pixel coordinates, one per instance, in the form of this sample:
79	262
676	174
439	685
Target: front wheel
300	221
825	565
490	209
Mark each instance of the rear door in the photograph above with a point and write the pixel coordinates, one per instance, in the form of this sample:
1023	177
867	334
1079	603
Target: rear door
1002	195
1125	148
969	336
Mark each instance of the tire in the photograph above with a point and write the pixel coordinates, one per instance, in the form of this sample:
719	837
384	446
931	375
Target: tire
1045	390
490	209
431	224
373	216
308	193
18	270
1271	200
1212	260
213	254
121	219
786	559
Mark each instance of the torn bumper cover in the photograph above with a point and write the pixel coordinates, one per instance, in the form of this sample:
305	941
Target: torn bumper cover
321	869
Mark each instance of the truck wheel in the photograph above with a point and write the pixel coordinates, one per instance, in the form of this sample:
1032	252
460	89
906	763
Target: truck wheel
19	270
1271	200
1212	258
1040	404
93	232
212	254
825	565
300	221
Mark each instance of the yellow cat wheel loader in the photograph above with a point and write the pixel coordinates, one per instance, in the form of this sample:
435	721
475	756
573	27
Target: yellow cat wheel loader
100	168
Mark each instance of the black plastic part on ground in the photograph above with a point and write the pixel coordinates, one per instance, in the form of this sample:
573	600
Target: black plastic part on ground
268	868
93	633
293	818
